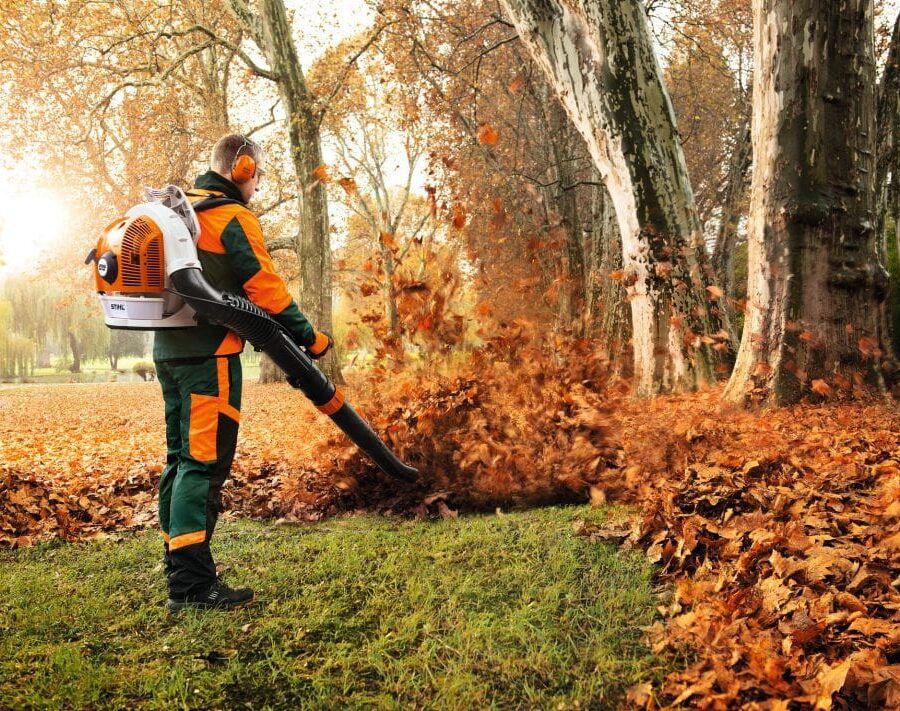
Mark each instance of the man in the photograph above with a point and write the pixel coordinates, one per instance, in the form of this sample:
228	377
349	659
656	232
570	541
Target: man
199	369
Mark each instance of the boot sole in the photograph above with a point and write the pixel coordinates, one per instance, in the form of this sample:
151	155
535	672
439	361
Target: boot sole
178	605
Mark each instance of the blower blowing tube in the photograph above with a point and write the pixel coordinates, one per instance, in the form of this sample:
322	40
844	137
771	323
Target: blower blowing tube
254	325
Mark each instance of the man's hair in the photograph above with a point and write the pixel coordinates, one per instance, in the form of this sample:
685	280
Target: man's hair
228	148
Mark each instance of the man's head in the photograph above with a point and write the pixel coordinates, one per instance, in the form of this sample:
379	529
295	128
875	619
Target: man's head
224	160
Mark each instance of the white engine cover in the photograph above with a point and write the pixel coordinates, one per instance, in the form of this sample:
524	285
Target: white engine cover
178	247
168	311
143	313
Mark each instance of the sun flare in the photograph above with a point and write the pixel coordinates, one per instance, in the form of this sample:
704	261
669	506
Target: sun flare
31	223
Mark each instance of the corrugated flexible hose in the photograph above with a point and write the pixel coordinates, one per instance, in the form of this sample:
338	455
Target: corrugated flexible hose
254	325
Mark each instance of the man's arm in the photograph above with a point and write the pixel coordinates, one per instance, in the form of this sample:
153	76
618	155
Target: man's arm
246	249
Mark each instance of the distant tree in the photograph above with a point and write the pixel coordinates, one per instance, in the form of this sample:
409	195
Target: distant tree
31	307
77	323
6	336
117	96
380	147
44	313
516	180
125	343
887	180
709	73
141	88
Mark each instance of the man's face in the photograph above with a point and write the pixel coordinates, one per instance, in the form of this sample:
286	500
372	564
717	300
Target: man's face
249	188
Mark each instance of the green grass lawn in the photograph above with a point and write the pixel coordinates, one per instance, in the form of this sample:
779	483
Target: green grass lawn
510	611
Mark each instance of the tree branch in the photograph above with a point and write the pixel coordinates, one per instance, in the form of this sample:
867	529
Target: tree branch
249	19
281	243
350	63
278	203
245	58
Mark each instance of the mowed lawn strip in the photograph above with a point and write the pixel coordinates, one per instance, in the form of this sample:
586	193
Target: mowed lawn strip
509	611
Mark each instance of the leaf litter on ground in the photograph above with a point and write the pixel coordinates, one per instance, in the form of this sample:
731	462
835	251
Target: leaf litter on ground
778	531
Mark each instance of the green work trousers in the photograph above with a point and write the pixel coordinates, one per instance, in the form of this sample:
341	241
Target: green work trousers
202	404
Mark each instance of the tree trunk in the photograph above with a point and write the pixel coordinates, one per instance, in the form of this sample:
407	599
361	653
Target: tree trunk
598	56
560	134
736	186
888	133
610	302
391	311
75	346
314	244
887	182
269	372
815	283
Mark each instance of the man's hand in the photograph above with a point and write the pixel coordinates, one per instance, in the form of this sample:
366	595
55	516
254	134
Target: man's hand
321	346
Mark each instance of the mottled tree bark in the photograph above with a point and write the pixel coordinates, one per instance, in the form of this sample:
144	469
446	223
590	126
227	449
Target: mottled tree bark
608	302
599	58
560	133
314	244
736	185
815	283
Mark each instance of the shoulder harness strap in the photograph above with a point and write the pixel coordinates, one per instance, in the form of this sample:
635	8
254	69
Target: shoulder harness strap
201	202
214	201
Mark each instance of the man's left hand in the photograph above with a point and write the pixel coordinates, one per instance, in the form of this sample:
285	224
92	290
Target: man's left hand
321	346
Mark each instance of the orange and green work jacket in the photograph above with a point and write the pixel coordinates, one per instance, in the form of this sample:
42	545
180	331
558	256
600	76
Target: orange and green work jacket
234	258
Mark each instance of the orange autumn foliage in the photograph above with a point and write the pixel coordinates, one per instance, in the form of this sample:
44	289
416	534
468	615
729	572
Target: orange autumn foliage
488	135
780	533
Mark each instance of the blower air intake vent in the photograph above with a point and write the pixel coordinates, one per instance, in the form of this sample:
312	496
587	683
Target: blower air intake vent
142	236
154	265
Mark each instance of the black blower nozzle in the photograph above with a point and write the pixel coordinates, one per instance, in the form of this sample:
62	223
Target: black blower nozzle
254	325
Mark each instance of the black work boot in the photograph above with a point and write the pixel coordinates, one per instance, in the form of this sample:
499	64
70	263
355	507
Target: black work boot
217	597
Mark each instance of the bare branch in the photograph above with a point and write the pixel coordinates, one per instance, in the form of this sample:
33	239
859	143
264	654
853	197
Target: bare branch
275	205
268	123
245	58
281	243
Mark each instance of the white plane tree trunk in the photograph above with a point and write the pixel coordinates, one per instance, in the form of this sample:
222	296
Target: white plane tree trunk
599	58
815	282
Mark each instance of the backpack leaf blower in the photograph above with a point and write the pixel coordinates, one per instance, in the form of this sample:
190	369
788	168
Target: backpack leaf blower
148	276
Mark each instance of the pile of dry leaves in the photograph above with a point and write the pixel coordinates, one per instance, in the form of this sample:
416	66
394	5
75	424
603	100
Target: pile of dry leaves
781	533
73	466
516	425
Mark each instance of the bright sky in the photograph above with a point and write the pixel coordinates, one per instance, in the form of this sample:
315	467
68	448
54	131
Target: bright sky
32	220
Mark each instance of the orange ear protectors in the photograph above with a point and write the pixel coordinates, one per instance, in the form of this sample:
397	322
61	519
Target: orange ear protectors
244	167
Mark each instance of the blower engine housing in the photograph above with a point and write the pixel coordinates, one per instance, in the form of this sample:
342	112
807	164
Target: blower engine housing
133	259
